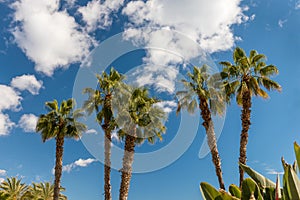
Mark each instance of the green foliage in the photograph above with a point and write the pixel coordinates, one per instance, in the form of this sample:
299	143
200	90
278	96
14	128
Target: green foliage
201	84
250	190
248	74
60	120
100	99
297	153
138	111
259	187
14	189
235	191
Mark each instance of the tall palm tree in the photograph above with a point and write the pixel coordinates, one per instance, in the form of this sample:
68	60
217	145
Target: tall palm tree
100	100
245	78
13	189
139	120
202	90
60	123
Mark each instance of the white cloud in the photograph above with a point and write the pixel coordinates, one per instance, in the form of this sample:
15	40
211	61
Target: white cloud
10	99
5	124
167	106
91	131
297	6
208	22
98	15
70	3
161	77
27	82
84	163
282	22
49	37
273	171
182	31
78	163
114	136
28	122
2	172
1	180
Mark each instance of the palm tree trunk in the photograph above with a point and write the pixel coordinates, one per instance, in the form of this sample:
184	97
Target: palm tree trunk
127	166
58	164
107	169
211	139
107	151
245	117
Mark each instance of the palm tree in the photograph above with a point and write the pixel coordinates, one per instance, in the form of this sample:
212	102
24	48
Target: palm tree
139	119
244	79
100	100
202	90
44	191
13	189
60	123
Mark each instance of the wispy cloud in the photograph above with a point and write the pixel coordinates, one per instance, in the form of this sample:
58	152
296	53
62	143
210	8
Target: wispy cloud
91	131
78	163
2	172
273	171
281	22
297	5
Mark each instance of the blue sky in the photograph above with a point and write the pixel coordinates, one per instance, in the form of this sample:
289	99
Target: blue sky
44	43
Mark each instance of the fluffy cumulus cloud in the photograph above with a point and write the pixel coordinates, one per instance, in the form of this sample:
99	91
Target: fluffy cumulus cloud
78	163
181	31
10	99
97	14
5	124
27	82
50	37
28	122
208	23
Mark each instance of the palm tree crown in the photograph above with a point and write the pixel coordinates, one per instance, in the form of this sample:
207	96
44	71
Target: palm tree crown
13	189
248	74
60	120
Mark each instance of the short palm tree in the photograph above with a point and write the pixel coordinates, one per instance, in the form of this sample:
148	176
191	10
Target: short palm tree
244	79
13	189
202	90
100	100
44	191
60	123
139	120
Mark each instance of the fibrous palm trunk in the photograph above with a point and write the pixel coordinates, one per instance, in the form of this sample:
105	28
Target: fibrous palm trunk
107	151
211	139
58	165
127	166
245	117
